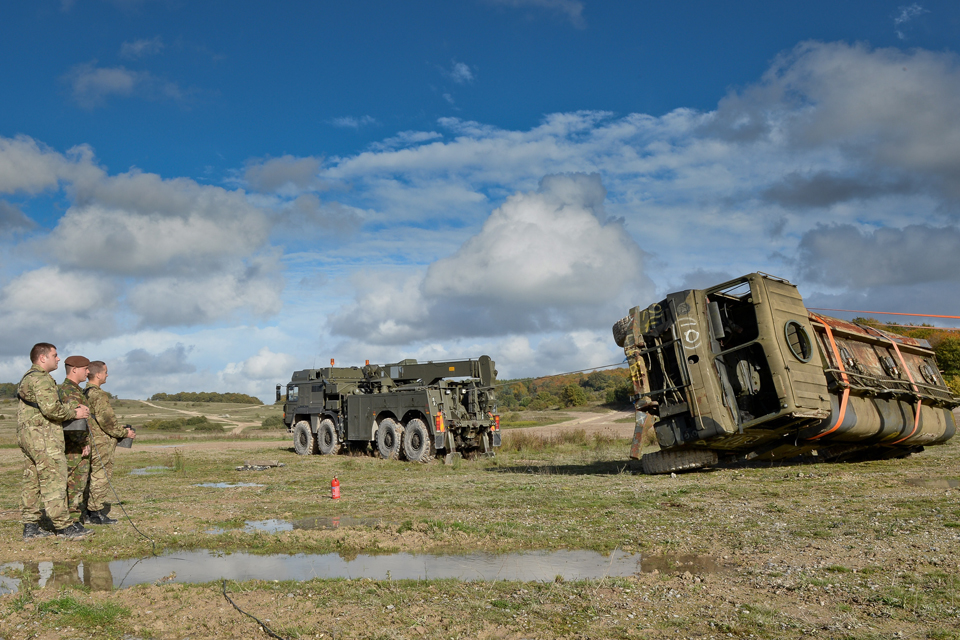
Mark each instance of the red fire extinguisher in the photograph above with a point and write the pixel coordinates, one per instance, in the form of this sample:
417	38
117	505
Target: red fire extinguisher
335	488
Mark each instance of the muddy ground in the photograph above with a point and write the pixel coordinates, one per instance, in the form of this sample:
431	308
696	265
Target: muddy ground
868	550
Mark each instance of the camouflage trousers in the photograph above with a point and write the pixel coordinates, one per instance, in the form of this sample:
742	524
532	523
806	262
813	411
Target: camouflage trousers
101	470
44	483
78	473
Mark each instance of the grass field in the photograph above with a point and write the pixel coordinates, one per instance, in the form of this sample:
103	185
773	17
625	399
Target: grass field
865	550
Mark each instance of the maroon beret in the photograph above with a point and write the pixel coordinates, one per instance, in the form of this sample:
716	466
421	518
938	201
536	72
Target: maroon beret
76	361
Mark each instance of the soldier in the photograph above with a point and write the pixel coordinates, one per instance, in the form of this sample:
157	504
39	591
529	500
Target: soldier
104	432
40	436
76	442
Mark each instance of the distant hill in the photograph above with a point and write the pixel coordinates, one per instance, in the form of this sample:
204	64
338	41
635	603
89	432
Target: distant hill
8	390
206	396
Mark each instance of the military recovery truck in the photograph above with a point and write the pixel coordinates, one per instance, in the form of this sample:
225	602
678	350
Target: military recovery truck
406	410
743	370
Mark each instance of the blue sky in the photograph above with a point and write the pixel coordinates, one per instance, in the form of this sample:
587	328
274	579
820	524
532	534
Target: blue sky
209	195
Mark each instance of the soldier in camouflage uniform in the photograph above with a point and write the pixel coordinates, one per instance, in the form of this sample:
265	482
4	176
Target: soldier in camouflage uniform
104	433
76	442
40	436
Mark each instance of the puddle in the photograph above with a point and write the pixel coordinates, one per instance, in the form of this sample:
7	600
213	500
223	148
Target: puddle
207	566
934	483
267	526
320	522
227	485
316	523
697	565
149	471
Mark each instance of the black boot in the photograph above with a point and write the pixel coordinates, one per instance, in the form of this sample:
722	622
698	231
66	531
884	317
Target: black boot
32	530
99	517
74	532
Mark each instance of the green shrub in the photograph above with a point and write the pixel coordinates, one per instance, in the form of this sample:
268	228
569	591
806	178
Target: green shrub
273	422
573	395
176	424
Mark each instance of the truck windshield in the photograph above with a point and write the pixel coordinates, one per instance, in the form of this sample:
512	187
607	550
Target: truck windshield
293	393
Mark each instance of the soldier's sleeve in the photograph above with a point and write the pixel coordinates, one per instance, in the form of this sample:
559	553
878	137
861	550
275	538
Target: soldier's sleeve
47	397
106	418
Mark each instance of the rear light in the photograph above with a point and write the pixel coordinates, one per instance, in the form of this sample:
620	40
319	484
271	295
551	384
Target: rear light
439	423
496	423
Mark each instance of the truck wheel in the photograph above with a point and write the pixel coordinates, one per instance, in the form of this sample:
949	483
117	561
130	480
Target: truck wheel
621	329
303	440
680	460
327	441
417	443
388	439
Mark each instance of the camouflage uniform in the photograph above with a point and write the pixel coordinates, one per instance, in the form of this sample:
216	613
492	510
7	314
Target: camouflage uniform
78	465
104	432
40	436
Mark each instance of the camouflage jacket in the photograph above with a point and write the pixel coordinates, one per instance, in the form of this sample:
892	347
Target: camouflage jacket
102	419
39	403
70	392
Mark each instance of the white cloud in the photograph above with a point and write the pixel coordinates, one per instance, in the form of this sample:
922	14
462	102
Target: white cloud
352	122
460	73
13	219
571	10
142	47
264	366
91	86
51	305
905	15
542	261
273	174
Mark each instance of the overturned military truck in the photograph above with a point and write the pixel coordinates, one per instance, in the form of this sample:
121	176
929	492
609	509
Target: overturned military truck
406	410
743	371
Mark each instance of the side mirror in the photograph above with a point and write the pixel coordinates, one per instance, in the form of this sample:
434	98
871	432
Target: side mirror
278	393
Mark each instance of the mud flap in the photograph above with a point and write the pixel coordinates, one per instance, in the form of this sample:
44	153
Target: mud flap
496	438
644	436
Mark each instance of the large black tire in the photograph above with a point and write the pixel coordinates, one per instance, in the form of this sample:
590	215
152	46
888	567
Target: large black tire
389	435
328	443
680	460
303	441
417	443
620	330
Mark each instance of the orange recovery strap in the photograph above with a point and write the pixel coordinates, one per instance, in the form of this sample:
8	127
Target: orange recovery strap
843	376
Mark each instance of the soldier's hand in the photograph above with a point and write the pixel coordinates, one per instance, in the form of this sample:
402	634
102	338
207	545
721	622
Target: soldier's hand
86	452
83	412
131	433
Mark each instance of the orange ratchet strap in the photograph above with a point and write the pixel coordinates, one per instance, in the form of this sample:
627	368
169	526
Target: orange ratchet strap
843	376
906	369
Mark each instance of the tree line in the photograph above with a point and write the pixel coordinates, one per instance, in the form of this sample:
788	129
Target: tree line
206	396
612	386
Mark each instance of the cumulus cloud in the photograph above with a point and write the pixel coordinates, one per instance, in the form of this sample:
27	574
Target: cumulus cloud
12	219
52	305
859	259
137	223
264	366
882	110
545	260
273	174
140	363
571	10
253	286
142	47
154	252
91	86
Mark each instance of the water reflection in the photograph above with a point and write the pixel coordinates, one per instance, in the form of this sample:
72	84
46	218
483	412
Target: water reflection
207	566
94	575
